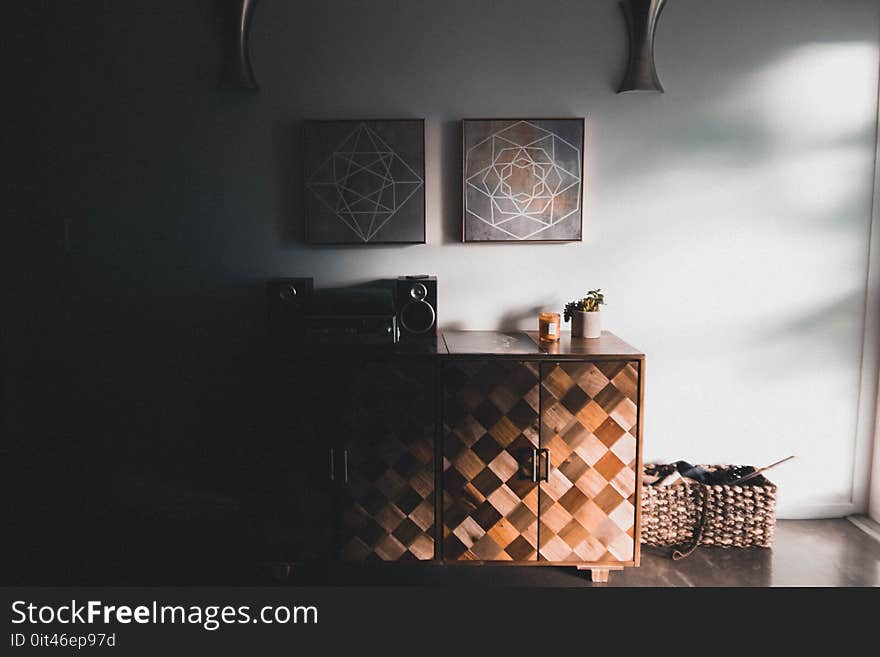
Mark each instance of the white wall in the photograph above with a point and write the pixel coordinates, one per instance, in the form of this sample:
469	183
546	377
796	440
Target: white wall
870	375
874	498
727	220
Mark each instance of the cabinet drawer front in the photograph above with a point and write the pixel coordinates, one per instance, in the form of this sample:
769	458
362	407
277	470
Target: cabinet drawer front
589	421
490	434
385	465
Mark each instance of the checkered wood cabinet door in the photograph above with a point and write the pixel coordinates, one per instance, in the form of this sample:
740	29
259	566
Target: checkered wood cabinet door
490	432
589	414
296	421
385	468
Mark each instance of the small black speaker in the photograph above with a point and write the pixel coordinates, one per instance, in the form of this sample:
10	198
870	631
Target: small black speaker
287	300
416	307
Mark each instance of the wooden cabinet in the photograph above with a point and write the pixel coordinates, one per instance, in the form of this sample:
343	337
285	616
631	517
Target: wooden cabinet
385	477
490	448
353	462
517	452
541	451
589	434
294	424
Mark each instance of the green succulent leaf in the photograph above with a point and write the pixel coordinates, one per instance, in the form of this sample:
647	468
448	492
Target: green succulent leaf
589	303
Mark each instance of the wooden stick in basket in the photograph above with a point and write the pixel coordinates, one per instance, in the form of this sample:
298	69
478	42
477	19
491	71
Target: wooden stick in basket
759	471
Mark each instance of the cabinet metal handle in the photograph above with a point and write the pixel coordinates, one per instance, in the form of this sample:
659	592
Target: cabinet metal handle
534	464
546	453
332	466
345	463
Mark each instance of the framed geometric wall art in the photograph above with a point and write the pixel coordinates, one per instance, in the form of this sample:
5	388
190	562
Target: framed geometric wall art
364	181
523	180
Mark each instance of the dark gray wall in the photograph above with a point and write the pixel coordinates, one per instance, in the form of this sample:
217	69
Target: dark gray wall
151	206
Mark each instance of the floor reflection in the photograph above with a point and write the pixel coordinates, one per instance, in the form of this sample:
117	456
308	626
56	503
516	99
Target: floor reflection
805	553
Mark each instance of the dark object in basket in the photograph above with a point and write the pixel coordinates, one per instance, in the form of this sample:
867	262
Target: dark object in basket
700	473
692	513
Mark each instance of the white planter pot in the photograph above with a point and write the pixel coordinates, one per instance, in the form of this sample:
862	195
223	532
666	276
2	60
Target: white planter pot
586	325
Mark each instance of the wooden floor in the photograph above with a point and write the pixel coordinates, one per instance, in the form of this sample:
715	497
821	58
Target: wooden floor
805	553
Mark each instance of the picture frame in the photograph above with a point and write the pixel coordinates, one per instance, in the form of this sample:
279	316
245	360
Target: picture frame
364	181
523	180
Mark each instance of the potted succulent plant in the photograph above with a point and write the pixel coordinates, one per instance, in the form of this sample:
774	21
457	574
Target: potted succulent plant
584	315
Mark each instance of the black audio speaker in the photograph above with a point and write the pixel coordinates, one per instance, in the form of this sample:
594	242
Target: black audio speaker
287	301
416	307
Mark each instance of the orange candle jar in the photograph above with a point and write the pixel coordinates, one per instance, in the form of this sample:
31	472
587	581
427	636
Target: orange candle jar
548	327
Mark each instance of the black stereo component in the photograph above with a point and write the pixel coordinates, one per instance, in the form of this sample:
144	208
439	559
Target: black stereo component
416	307
350	329
353	315
288	299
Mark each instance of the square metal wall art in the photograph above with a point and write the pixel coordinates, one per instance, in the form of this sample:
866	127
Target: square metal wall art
523	180
364	181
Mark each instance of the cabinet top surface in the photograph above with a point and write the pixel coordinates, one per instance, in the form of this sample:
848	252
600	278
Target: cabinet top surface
526	343
523	345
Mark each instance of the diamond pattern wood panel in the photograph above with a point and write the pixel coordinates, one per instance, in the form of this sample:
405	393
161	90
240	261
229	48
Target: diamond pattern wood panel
588	423
490	502
297	420
387	504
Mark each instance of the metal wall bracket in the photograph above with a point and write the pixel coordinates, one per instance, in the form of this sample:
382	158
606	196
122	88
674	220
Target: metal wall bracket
239	74
641	22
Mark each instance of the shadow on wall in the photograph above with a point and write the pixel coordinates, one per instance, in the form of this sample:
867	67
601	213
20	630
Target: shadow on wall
817	329
513	319
778	163
289	217
451	205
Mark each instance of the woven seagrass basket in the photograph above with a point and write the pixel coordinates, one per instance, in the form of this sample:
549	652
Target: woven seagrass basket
690	514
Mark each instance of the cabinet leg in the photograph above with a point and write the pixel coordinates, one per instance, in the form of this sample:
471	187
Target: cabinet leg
278	571
598	575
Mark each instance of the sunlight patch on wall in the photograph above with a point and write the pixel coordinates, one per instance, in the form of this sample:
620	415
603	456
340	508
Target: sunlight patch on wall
802	92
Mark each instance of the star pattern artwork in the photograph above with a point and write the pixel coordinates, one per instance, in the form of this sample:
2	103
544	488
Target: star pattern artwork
364	181
523	180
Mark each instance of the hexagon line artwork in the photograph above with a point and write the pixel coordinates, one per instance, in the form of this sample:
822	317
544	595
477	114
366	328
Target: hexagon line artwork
523	180
364	183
